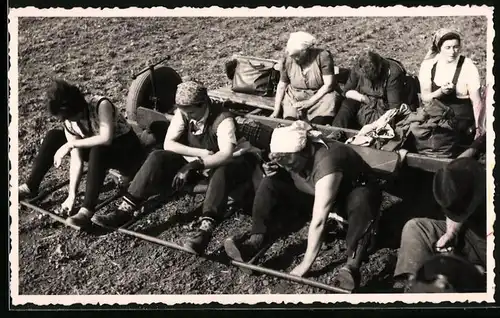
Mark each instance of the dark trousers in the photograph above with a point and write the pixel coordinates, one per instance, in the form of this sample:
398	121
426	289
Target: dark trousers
159	169
125	154
360	205
353	114
418	238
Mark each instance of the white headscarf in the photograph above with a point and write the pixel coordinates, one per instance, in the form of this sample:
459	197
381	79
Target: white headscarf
299	41
293	138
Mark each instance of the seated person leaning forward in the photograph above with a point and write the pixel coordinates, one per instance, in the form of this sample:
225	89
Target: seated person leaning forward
318	175
307	82
375	85
93	131
453	79
460	190
199	130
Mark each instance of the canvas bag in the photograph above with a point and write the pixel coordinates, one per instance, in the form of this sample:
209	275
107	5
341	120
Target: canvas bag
255	77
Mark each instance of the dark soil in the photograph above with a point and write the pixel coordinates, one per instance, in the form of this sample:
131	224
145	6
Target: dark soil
100	54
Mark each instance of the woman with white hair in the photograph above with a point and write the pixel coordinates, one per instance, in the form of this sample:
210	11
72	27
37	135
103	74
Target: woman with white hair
307	82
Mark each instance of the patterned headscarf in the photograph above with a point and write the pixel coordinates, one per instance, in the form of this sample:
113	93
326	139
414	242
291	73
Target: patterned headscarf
436	38
299	41
190	93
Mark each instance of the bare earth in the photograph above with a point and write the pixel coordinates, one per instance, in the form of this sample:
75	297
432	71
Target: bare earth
100	54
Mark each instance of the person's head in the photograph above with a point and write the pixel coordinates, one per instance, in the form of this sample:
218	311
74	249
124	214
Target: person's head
298	46
191	98
460	188
370	65
447	43
289	147
65	100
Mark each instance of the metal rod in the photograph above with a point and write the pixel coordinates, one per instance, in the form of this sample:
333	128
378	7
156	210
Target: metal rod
286	276
52	215
252	267
147	68
108	200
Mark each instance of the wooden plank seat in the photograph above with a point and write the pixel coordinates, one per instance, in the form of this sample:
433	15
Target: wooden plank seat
384	162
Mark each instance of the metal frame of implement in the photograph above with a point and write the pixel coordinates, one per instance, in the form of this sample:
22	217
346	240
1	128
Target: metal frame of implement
155	240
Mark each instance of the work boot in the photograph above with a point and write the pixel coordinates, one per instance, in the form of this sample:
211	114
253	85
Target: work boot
81	219
25	193
347	278
117	218
198	242
245	250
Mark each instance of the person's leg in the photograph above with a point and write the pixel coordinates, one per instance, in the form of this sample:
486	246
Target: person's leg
96	172
154	176
128	155
273	193
53	140
417	240
362	206
223	180
347	114
322	120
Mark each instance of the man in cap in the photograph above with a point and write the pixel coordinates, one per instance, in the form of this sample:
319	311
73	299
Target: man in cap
318	175
460	190
201	139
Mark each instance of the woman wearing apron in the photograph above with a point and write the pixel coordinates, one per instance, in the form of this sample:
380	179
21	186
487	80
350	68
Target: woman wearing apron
454	80
307	82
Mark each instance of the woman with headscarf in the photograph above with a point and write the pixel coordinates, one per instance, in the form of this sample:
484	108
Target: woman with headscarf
375	85
453	79
307	82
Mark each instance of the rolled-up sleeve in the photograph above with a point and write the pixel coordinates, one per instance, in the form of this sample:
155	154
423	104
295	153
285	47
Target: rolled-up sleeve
226	133
176	127
284	71
326	62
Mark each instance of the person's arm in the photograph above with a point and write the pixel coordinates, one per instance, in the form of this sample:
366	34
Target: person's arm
478	106
226	140
106	127
452	229
394	90
325	193
280	94
174	132
75	167
424	77
350	88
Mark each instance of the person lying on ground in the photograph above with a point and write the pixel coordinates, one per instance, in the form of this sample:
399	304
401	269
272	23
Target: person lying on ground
460	190
200	130
94	131
454	80
375	85
316	175
307	84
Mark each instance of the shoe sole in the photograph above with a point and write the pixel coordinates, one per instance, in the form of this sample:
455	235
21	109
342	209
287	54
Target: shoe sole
232	251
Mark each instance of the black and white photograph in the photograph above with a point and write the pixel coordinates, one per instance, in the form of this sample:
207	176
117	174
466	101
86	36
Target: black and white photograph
240	155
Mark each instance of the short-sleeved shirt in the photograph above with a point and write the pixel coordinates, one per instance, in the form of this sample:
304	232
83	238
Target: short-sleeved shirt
322	57
468	80
90	126
338	157
226	130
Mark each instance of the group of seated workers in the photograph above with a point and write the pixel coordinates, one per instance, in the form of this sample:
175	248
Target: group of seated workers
308	88
302	171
